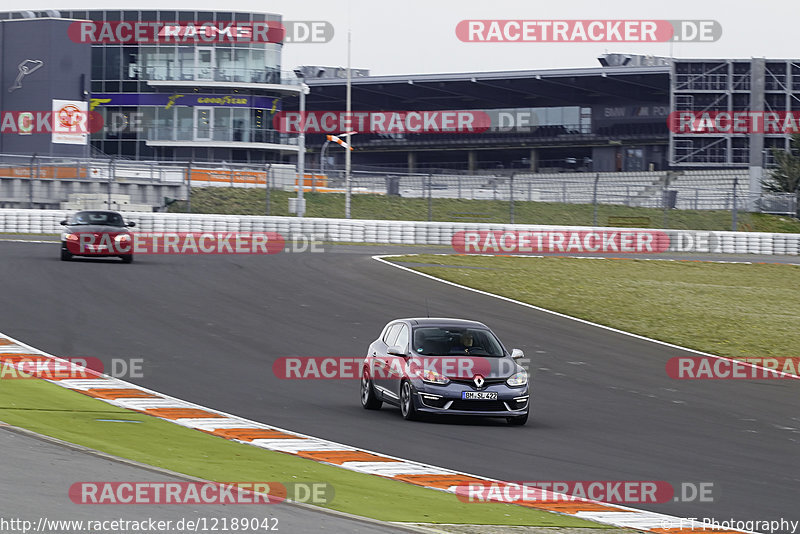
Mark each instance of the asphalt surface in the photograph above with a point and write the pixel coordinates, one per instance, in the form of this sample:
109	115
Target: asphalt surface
209	329
36	477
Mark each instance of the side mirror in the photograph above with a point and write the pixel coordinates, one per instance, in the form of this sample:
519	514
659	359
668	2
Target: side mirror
63	223
130	223
395	351
517	354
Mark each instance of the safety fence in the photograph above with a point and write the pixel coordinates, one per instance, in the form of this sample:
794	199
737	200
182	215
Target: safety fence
46	182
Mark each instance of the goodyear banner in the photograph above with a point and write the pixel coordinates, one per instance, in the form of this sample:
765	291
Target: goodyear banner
167	100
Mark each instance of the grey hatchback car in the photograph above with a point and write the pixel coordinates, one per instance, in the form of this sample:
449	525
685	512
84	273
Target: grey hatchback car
444	366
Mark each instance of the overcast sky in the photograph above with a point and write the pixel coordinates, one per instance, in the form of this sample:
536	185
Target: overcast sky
418	36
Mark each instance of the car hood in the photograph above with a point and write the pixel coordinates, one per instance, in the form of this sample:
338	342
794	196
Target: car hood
96	229
466	366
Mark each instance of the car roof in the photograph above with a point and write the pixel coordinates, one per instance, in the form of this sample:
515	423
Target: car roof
97	211
443	321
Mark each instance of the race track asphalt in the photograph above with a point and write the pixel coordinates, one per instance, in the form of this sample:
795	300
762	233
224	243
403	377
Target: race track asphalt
210	327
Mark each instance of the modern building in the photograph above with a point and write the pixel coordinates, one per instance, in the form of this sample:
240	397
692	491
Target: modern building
606	118
39	76
609	118
175	92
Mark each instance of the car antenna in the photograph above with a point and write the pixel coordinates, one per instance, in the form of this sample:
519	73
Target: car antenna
427	309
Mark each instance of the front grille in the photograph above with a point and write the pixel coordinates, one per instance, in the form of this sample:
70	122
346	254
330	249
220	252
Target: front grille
479	406
471	382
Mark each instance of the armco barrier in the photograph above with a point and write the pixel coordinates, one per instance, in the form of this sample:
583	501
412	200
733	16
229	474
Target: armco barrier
25	221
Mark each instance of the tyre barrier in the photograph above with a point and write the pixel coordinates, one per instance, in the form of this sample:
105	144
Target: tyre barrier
28	221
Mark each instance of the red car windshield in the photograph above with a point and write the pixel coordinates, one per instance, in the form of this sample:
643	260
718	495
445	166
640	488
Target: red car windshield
96	217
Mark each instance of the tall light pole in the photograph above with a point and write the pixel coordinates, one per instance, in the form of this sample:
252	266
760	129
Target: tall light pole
347	140
301	146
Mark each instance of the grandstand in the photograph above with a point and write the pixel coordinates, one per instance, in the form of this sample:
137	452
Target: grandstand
611	119
692	189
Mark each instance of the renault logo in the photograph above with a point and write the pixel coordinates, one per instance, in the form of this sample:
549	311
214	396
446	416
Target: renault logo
478	381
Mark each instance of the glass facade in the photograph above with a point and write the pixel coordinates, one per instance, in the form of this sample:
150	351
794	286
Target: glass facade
225	93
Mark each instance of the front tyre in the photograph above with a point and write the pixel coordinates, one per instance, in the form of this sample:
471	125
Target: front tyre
65	255
518	420
368	398
407	407
128	258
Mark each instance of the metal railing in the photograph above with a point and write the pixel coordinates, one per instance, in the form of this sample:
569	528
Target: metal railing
28	181
209	133
217	74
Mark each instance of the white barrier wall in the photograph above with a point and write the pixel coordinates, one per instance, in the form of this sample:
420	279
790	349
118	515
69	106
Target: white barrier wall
392	232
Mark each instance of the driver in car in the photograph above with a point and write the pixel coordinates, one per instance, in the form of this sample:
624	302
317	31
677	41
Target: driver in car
466	342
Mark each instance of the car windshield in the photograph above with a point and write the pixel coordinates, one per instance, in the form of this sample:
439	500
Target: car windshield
443	341
96	217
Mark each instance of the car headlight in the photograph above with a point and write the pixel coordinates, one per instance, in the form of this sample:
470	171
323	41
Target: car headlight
121	237
66	236
518	379
432	377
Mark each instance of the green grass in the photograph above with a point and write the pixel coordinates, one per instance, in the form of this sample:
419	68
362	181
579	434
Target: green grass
733	310
73	417
239	201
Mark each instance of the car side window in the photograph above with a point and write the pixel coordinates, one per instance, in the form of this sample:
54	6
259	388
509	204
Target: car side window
391	334
402	339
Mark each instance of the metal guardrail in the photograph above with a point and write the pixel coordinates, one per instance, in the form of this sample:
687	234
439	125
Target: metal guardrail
778	203
216	74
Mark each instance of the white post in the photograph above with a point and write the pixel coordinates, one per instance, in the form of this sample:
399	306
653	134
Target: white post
301	154
347	138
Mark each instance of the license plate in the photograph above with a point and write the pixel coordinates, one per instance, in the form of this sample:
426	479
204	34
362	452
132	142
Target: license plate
479	395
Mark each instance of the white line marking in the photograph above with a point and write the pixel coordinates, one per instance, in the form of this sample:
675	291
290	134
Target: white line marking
91	383
26	241
136	403
296	445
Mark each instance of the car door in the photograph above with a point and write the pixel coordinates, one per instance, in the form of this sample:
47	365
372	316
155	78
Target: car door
397	371
382	363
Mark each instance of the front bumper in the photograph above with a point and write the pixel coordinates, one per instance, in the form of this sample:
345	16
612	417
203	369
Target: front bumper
447	400
100	251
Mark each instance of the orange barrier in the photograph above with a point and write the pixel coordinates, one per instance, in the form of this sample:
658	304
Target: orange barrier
44	172
250	177
315	180
229	176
